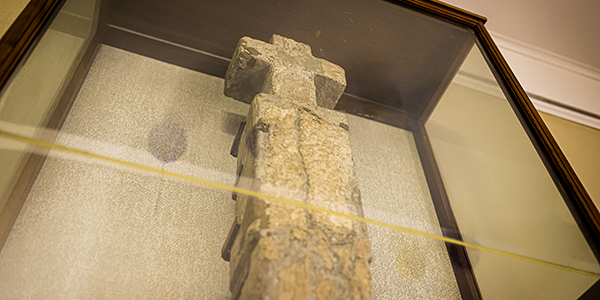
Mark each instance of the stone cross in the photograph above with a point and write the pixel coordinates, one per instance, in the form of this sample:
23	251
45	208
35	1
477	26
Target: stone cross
293	146
284	68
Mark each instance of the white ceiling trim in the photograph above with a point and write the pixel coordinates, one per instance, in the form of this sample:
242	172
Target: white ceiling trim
543	55
565	113
551	76
541	104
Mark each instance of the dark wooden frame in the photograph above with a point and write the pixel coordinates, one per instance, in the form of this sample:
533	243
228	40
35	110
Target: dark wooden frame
20	37
18	40
35	156
461	264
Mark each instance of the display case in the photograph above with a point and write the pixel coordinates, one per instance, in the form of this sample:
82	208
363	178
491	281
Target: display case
118	158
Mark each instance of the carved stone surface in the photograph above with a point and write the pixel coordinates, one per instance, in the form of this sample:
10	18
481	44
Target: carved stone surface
293	149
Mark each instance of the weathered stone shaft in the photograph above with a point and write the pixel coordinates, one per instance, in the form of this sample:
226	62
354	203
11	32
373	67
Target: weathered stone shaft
297	151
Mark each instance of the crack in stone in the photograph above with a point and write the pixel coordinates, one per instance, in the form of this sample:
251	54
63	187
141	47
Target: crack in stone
306	184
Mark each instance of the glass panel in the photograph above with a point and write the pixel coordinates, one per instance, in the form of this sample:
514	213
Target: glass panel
500	192
94	229
134	199
408	266
28	101
503	277
188	111
141	110
394	191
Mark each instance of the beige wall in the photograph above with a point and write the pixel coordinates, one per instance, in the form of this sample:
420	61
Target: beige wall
581	146
9	13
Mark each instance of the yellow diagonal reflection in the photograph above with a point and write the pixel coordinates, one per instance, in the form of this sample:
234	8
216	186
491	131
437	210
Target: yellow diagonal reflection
285	201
